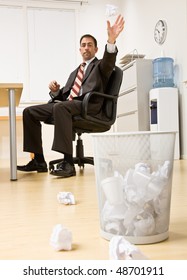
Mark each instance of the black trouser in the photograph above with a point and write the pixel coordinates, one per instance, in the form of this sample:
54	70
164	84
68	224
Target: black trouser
62	113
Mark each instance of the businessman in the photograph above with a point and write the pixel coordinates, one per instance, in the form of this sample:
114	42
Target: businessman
92	75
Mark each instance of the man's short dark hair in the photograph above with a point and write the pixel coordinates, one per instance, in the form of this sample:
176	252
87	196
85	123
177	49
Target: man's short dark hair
89	36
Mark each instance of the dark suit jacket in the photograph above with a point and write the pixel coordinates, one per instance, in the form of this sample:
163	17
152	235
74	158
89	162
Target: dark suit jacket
95	79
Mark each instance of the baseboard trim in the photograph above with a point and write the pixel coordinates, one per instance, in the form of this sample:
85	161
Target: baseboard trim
183	156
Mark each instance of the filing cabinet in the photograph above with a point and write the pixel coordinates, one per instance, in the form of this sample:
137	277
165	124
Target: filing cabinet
133	101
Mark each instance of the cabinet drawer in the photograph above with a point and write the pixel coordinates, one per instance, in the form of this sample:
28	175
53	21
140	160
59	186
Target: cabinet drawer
129	77
128	123
127	102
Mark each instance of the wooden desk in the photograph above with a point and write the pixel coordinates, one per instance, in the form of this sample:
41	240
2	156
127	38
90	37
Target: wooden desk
10	94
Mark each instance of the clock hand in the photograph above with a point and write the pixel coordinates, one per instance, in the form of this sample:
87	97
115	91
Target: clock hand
158	32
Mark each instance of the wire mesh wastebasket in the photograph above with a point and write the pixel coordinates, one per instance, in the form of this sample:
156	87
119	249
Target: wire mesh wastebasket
134	180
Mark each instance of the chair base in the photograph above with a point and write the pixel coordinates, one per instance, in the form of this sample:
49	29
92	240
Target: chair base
79	159
76	160
82	161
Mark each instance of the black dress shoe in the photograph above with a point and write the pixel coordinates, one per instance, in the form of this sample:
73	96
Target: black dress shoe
64	169
33	165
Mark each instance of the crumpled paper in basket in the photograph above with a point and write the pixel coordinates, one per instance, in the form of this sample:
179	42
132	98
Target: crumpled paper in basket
61	238
121	249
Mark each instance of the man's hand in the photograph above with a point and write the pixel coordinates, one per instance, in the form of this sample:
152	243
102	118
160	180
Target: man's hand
115	29
54	86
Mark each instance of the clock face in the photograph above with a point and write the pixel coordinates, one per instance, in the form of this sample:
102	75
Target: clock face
160	32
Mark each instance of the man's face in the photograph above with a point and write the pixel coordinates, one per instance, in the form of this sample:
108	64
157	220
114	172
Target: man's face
87	48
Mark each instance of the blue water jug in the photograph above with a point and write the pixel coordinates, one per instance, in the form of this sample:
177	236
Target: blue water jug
163	72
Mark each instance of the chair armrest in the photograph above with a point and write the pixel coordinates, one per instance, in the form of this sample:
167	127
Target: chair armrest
87	98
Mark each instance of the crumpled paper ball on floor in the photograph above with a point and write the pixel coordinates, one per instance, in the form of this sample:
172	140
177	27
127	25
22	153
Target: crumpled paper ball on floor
61	238
66	198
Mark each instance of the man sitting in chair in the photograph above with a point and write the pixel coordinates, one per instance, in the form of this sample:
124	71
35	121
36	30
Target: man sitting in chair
92	75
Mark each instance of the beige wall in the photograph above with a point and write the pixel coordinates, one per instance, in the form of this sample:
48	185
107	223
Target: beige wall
141	17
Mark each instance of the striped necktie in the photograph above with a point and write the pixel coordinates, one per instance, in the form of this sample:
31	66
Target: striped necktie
77	83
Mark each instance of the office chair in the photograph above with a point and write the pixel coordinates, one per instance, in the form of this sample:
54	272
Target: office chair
85	123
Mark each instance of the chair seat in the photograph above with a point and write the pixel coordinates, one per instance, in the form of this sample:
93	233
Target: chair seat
86	126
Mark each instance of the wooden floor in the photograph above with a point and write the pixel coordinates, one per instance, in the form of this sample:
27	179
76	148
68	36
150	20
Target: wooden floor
29	210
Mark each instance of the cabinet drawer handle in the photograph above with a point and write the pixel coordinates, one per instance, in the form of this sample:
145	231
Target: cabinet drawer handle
127	114
128	66
128	91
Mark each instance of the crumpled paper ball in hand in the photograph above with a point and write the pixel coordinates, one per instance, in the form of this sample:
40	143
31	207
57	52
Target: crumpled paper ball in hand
121	249
61	238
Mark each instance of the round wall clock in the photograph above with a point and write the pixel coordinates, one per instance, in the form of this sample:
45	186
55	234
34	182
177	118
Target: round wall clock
160	32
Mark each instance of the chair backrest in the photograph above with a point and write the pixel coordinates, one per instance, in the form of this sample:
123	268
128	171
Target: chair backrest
114	83
113	88
107	116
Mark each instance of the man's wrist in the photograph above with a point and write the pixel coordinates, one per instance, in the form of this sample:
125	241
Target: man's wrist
110	41
111	48
54	94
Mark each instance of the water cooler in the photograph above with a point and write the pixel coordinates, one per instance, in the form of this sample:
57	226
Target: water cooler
164	115
163	98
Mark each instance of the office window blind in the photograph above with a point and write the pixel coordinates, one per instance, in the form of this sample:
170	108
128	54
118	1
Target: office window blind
12	45
37	46
52	51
